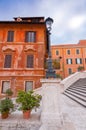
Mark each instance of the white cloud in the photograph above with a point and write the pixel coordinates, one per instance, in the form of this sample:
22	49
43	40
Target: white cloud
76	22
68	16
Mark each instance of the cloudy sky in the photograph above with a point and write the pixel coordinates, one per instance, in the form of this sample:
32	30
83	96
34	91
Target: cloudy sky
69	16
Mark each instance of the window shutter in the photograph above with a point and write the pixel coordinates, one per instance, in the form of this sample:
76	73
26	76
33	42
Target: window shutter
76	61
67	61
80	61
7	63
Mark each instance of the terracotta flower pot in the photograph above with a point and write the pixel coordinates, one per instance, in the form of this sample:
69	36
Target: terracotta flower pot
4	115
26	114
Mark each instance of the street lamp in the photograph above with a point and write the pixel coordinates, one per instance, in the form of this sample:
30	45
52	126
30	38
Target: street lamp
50	73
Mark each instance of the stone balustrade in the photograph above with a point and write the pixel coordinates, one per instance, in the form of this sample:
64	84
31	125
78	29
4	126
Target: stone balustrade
71	79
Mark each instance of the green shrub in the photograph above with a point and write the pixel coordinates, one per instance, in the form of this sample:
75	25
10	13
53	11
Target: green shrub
28	100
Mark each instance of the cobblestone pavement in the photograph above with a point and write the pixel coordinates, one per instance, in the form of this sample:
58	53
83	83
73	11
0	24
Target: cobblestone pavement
74	112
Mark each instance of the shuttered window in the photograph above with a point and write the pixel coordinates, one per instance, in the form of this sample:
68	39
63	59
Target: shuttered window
78	61
7	62
5	86
10	36
30	60
69	61
28	85
30	36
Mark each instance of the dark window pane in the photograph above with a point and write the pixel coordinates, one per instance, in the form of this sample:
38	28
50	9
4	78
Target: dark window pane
10	36
29	61
57	52
68	51
70	71
77	51
30	36
7	63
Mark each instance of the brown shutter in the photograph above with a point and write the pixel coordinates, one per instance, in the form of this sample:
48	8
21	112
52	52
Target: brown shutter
7	63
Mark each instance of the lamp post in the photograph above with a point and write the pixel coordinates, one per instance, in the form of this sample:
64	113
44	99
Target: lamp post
50	73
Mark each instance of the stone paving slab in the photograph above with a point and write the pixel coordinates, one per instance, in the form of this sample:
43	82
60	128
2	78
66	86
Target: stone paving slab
74	112
16	122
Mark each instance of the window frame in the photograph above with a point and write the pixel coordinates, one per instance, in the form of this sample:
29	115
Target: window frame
30	36
57	52
69	61
10	36
2	85
68	52
27	65
5	60
78	60
28	81
77	51
70	71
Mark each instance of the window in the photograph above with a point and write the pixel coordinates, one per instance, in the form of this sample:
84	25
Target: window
68	52
78	61
69	61
69	71
77	51
28	85
30	36
85	60
7	63
10	36
57	52
30	60
5	86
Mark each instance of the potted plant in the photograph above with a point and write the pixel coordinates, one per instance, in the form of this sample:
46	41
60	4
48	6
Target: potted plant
28	101
6	106
80	68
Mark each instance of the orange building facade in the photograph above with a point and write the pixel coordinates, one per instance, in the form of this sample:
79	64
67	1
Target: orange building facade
70	56
23	49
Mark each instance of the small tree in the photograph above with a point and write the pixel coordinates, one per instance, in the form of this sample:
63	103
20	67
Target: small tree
80	68
56	64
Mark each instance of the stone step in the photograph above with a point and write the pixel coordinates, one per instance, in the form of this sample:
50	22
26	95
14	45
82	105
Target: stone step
80	82
76	95
78	86
75	91
81	102
83	89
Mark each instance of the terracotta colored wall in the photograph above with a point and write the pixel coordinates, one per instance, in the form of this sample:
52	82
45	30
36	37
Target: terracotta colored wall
18	73
63	53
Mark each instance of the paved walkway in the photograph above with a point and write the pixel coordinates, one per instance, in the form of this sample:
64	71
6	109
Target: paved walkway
72	112
16	122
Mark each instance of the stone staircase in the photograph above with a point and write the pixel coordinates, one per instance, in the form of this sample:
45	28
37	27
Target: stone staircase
77	91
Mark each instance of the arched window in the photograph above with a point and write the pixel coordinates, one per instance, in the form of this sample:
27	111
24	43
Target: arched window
69	71
68	52
57	52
